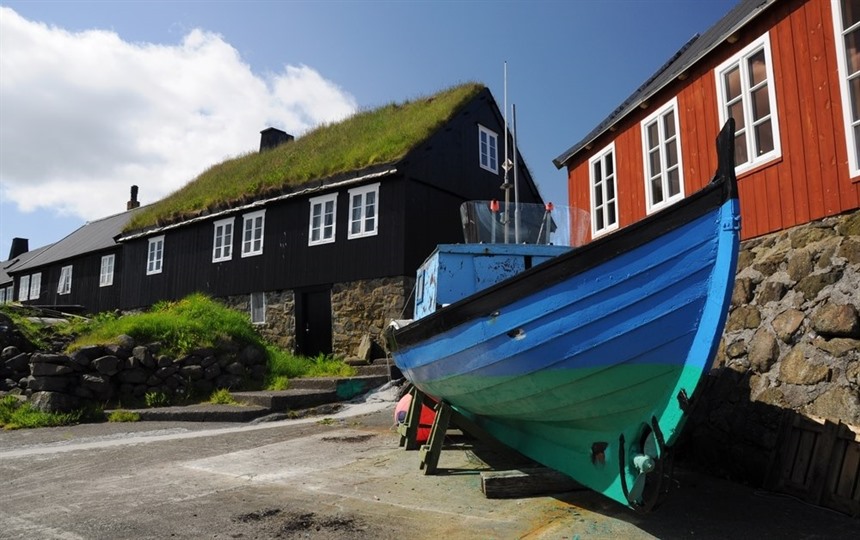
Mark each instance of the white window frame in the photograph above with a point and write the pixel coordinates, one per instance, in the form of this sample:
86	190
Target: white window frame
320	227
605	202
488	149
222	240
739	60
35	286
64	285
155	255
106	270
2	295
253	245
845	78
10	290
258	308
23	288
657	117
360	194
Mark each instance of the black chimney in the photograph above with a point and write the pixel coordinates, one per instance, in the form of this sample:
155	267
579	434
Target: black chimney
19	247
133	202
272	137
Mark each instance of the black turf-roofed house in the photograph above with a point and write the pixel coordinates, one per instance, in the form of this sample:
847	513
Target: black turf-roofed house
81	273
319	237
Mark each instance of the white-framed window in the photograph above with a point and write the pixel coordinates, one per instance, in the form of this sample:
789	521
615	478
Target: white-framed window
846	28
106	271
2	295
155	255
64	286
661	149
746	92
253	225
9	291
24	288
35	286
488	149
222	243
604	191
323	217
258	308
363	211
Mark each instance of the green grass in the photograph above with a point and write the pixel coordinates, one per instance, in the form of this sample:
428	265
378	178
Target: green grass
284	366
29	329
156	399
374	137
120	415
15	414
222	396
194	322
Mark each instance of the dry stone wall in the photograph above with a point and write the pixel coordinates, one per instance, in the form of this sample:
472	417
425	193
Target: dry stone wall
125	371
361	308
791	343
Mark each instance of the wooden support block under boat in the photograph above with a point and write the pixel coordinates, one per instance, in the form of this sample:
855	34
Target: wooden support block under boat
526	483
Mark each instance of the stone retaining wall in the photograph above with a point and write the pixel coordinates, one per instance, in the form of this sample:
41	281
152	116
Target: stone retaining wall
101	374
792	343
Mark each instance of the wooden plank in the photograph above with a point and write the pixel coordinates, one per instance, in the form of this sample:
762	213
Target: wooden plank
526	483
800	467
430	452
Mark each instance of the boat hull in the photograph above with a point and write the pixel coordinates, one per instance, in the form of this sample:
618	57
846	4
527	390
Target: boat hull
577	361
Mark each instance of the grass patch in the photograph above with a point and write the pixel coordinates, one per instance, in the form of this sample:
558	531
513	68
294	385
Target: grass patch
16	414
156	399
284	366
368	138
31	331
222	396
123	416
196	321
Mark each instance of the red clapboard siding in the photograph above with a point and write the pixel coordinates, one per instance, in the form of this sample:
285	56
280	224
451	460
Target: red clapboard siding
809	181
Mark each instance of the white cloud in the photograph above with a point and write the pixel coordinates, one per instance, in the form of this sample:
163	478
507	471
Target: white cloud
86	115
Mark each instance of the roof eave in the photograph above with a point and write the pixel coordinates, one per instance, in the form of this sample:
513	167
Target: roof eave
677	71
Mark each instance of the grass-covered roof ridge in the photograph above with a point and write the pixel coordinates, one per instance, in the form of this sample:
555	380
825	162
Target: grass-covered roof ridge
367	138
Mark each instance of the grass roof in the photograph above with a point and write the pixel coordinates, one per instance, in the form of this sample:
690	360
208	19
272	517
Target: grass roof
367	138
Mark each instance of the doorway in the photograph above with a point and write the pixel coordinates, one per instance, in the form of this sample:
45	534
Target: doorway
313	321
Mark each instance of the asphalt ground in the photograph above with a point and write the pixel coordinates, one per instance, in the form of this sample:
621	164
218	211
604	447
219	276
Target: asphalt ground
337	477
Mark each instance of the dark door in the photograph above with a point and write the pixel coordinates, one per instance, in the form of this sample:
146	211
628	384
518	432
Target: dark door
313	321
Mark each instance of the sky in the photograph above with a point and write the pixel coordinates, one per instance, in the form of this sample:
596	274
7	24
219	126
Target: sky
98	96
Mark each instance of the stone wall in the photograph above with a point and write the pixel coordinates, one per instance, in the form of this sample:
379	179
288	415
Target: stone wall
366	307
280	325
359	308
126	371
792	343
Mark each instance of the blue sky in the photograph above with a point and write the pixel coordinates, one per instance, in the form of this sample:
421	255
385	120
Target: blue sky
97	96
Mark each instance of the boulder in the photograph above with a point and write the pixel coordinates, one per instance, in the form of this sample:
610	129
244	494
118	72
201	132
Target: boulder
54	402
133	376
835	320
763	350
107	365
786	324
802	366
837	404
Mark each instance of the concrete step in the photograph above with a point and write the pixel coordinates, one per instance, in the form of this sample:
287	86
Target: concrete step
310	392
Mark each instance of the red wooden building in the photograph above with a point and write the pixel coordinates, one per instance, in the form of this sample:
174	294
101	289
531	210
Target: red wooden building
788	71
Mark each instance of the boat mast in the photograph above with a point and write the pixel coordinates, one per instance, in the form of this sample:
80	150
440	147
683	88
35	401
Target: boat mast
506	186
516	185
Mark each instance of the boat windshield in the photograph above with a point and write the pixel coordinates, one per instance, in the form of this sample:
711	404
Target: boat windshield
494	222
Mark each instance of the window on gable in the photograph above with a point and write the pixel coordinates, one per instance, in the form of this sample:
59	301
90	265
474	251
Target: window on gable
155	256
258	308
746	93
846	23
106	271
363	208
323	217
488	149
65	284
35	286
664	178
604	206
222	243
24	288
252	233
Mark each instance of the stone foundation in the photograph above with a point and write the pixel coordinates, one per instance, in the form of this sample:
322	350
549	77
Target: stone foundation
366	307
280	325
791	345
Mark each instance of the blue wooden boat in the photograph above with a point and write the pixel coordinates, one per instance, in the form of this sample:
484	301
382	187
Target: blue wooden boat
583	359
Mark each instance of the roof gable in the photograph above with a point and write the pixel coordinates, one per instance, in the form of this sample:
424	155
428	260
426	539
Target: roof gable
364	141
690	54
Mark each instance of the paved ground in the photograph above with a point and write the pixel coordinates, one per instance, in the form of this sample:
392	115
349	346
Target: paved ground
343	477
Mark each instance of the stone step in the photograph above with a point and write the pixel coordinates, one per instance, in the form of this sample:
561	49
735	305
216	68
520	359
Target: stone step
310	392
